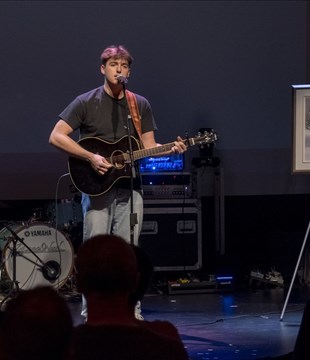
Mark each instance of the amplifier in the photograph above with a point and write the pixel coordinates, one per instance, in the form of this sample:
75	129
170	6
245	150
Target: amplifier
167	185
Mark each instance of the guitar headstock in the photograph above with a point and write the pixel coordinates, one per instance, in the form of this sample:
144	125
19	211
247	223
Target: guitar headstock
205	137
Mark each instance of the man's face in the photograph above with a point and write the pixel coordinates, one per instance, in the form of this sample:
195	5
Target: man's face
114	68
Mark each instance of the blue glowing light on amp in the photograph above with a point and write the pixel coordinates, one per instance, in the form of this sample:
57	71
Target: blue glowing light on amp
162	163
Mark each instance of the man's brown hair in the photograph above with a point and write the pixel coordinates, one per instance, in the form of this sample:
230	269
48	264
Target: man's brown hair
117	52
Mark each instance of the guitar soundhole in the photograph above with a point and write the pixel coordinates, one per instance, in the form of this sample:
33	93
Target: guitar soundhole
117	159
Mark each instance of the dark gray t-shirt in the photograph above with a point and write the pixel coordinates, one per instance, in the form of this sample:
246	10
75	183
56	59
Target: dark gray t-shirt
96	114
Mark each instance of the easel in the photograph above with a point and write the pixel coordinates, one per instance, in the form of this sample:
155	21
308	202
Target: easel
295	272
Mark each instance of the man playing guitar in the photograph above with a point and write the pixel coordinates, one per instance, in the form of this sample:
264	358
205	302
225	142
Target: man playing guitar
103	113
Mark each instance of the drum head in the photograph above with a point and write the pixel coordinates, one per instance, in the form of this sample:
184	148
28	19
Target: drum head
43	257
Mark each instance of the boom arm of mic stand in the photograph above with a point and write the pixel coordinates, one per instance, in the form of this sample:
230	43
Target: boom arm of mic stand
17	238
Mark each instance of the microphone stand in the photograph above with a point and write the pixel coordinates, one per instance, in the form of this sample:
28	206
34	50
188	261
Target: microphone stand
133	218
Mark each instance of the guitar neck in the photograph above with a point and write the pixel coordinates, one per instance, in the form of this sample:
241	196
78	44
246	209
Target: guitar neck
158	150
140	154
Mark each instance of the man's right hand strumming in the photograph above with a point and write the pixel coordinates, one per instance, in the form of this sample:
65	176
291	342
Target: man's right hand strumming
99	164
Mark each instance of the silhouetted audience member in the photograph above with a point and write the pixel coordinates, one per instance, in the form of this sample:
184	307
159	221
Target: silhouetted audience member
302	344
37	324
107	275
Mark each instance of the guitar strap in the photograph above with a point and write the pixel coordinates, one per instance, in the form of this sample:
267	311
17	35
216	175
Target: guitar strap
134	112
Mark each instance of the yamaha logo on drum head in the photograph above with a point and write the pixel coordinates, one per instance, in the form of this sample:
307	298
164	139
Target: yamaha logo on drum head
38	233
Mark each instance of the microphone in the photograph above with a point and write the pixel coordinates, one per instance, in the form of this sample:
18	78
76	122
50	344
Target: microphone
51	270
122	79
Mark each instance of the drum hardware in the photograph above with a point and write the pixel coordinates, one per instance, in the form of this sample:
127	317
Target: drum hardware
37	215
42	255
50	270
14	284
65	213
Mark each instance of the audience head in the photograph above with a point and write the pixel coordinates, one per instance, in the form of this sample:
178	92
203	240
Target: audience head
106	264
37	324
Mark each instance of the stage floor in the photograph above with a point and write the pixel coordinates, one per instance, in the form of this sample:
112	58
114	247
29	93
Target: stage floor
233	325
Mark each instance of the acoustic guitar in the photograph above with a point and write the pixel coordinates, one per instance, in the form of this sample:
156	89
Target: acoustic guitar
88	181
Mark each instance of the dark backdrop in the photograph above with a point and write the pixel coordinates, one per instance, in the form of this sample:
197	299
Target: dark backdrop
228	65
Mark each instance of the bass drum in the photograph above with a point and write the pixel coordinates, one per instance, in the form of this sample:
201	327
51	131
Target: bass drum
44	257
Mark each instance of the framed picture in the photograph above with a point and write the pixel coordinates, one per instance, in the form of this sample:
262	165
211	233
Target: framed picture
301	128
